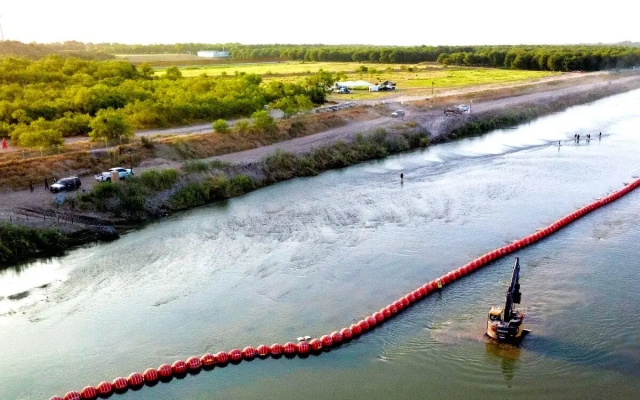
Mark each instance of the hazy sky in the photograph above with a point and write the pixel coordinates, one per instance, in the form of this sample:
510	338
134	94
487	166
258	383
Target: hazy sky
324	21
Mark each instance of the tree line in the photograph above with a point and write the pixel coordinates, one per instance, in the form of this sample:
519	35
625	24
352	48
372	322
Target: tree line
546	58
43	101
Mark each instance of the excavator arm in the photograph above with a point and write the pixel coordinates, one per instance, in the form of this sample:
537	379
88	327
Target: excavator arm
513	292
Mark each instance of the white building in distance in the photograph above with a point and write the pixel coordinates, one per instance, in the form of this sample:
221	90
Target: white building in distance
213	54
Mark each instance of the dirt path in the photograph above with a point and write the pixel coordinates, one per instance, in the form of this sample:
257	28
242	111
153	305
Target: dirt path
432	120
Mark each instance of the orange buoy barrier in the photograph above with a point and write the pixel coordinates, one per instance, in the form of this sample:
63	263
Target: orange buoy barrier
303	347
88	392
290	348
276	349
194	363
235	355
165	371
104	388
119	384
346	333
336	337
316	344
150	375
249	353
179	367
263	350
73	395
207	360
135	379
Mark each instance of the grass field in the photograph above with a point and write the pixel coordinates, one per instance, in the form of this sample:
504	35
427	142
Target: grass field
417	81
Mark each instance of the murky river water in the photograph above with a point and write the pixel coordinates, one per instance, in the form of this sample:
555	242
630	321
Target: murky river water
310	256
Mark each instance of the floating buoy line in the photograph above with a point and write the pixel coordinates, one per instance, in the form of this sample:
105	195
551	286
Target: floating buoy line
305	346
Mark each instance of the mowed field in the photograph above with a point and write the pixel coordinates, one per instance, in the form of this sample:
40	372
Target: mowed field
410	79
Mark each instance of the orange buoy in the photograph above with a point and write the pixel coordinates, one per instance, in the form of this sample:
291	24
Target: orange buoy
336	337
119	384
451	276
316	344
346	333
263	350
460	272
364	325
222	357
424	291
73	395
355	328
249	353
165	371
88	392
276	349
135	379
379	317
410	297
399	305
416	293
235	355
405	301
326	341
386	312
207	360
105	388
290	348
179	367
371	321
303	347
444	280
193	363
150	375
56	398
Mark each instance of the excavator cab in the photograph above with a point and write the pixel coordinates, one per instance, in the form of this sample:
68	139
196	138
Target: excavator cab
506	323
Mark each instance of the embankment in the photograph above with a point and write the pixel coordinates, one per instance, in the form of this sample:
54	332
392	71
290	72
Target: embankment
200	182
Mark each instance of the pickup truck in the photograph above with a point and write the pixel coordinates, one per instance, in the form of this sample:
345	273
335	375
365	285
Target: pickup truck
106	176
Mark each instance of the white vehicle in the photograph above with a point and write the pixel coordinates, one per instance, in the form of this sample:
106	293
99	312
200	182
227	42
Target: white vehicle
463	108
374	88
123	173
397	113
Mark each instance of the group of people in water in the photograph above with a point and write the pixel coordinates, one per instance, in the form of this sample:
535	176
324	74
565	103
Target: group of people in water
576	138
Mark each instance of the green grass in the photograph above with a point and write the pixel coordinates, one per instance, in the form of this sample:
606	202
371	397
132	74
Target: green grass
417	82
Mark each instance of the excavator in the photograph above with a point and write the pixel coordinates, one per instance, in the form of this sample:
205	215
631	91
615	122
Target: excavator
505	324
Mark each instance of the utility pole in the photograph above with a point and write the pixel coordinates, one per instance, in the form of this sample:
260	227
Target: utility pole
1	33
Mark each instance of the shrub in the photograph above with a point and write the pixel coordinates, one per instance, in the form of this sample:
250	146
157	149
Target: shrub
242	126
192	194
221	126
263	121
195	166
18	243
279	166
158	180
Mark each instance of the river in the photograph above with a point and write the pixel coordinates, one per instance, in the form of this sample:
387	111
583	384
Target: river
313	255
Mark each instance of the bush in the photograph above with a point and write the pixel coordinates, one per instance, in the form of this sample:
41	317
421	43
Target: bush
18	243
158	180
192	194
279	166
242	126
263	121
195	166
221	126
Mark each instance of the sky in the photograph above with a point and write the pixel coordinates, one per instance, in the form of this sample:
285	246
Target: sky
411	22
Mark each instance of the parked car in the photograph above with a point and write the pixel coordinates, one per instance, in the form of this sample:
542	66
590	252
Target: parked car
397	113
344	89
123	173
65	184
463	107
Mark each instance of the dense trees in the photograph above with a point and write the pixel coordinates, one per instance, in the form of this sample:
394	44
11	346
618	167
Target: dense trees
552	58
43	101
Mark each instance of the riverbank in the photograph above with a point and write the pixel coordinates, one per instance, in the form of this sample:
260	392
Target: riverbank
231	175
